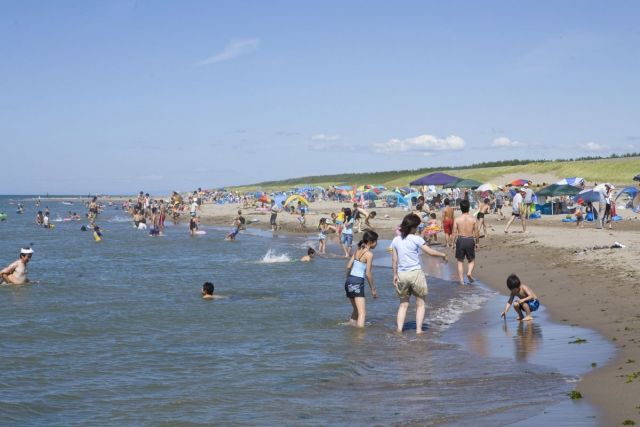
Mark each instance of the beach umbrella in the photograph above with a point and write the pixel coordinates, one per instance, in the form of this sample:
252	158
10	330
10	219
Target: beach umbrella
387	194
564	190
453	184
630	191
571	181
295	199
435	179
519	182
548	191
405	190
586	196
468	183
602	187
370	195
487	187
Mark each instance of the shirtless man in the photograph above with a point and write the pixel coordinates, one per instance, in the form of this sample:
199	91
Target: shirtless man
16	272
447	222
465	238
485	207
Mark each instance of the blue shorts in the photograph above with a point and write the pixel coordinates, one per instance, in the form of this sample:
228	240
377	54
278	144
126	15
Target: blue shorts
347	239
322	236
534	304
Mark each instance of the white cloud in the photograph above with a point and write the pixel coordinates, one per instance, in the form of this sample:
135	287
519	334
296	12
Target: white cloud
233	50
325	138
504	142
424	144
592	146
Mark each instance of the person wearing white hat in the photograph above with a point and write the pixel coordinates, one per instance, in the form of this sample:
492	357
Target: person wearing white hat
16	272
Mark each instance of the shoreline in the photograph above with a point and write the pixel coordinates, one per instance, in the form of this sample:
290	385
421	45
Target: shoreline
592	288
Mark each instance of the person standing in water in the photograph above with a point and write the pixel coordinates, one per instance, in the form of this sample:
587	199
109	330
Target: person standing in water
447	222
16	272
359	267
408	277
465	234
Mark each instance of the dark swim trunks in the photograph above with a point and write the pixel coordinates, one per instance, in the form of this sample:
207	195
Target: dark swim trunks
465	248
354	287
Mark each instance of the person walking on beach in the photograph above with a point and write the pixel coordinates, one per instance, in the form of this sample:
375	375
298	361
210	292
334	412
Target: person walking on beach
447	222
408	277
359	267
465	235
606	217
499	195
528	200
274	215
485	207
516	211
16	272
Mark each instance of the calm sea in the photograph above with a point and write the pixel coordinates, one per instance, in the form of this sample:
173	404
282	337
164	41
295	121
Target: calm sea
116	333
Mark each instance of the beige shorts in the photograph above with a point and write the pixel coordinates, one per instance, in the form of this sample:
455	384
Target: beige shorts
412	282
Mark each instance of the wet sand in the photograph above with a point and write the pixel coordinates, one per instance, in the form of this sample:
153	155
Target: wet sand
578	285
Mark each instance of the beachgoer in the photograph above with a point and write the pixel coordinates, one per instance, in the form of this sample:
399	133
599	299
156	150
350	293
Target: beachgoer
235	229
606	217
193	225
302	210
516	211
359	267
207	291
528	200
97	235
16	272
466	236
485	207
309	256
45	220
432	229
408	277
39	218
323	227
274	215
162	217
499	195
579	216
241	221
527	300
447	222
346	238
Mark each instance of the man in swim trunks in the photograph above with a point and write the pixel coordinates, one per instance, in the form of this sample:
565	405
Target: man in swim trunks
447	222
465	238
16	272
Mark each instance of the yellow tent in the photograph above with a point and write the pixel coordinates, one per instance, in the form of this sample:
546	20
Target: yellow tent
296	198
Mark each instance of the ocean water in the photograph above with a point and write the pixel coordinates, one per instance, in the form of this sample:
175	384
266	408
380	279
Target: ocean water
115	333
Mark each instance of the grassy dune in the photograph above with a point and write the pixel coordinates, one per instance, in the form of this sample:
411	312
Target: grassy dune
619	171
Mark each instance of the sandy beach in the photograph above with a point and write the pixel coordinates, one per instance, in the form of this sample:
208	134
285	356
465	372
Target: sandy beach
579	285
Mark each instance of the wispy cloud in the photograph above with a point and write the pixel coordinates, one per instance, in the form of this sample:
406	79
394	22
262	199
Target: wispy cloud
332	146
425	144
592	146
233	50
504	142
325	138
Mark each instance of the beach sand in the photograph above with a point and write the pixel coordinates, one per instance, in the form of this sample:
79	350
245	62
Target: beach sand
593	288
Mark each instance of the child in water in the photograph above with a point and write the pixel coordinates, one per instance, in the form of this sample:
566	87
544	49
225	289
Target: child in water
527	300
97	235
309	256
359	267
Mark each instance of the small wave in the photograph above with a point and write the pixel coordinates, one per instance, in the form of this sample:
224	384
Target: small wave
272	257
445	316
120	218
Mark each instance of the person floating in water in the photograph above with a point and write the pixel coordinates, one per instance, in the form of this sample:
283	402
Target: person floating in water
207	291
16	272
527	300
309	256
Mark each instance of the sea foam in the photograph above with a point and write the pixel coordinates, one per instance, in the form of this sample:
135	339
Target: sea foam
272	257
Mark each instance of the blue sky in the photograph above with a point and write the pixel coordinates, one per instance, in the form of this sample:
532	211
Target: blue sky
122	96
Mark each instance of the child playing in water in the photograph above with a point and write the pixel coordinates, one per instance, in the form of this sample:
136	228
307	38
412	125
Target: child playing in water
432	229
309	256
359	267
97	235
234	231
193	225
527	300
322	236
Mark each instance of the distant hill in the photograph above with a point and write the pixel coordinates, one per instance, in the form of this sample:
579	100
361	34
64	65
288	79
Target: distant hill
616	169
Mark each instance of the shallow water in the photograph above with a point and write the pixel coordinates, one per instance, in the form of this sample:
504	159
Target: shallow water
116	333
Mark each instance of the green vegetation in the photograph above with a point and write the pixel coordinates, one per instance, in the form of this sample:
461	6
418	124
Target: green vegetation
615	169
628	422
633	376
578	341
575	394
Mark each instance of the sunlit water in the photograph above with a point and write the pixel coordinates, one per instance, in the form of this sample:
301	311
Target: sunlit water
116	333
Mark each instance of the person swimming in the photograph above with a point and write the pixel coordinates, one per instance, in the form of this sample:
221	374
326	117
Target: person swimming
309	256
16	272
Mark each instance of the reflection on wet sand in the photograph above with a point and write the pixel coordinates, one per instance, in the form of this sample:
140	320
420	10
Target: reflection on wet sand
527	339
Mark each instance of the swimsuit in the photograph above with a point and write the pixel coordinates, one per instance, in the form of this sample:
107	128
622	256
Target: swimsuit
354	286
465	248
447	224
